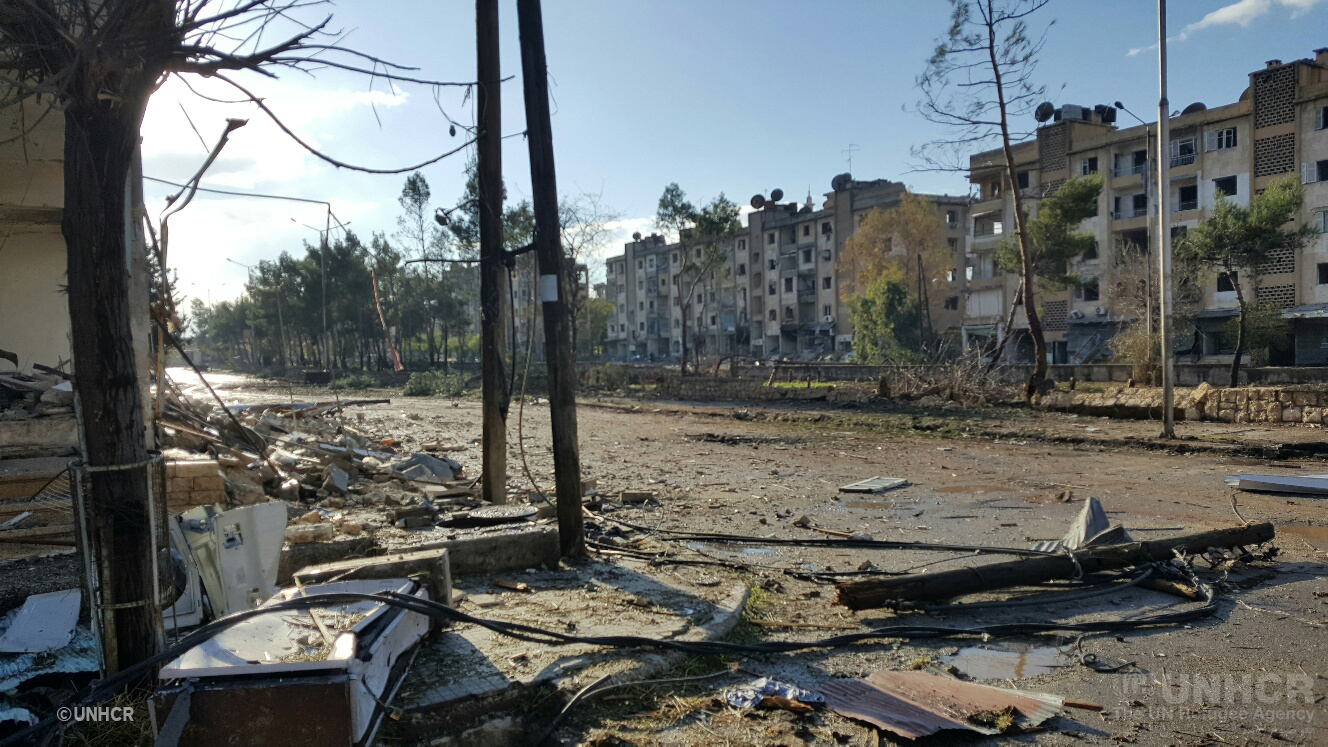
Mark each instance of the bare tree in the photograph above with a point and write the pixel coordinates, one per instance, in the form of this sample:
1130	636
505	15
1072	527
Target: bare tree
95	63
979	77
585	223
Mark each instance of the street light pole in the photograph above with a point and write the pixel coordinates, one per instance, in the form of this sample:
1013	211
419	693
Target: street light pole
1164	227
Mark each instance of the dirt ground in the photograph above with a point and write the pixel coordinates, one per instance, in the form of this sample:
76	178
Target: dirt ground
986	477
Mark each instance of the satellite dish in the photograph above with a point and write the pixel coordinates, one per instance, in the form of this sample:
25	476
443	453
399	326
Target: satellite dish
1197	106
776	195
841	182
636	236
1044	111
758	202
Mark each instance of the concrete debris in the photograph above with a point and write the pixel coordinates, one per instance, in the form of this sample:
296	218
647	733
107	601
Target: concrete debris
303	533
636	496
874	485
337	480
44	623
914	704
25	520
803	521
427	468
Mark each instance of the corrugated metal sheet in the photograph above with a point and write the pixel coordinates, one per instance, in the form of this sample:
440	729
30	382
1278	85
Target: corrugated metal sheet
915	704
1301	485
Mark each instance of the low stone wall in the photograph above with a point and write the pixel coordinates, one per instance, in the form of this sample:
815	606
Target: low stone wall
711	389
1304	404
191	483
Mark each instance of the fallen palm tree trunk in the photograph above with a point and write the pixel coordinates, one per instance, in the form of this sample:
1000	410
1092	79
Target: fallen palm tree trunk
926	587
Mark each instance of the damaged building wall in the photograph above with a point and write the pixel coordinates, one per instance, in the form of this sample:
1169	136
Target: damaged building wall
32	250
33	298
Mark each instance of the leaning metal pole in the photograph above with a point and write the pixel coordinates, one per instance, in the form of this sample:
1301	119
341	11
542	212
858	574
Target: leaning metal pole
1164	227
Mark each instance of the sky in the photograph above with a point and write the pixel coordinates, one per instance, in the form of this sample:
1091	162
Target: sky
719	96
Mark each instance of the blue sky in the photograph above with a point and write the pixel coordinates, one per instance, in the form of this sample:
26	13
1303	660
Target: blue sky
718	96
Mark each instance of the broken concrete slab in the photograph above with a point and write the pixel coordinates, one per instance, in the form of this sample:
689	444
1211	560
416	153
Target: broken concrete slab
304	533
44	623
636	496
427	468
874	485
432	565
491	550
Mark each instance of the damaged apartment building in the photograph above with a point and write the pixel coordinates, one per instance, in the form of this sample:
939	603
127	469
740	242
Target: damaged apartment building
1278	127
36	338
776	293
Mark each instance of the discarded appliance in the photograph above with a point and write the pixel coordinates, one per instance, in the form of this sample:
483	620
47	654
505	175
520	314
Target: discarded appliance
1300	484
322	677
874	485
914	704
233	554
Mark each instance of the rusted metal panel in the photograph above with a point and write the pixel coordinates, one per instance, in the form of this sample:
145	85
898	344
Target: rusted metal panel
915	704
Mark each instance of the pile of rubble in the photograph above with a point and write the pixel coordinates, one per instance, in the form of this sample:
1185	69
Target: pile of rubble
34	393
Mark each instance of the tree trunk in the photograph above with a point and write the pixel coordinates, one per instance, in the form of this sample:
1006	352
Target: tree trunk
100	138
1037	380
1240	333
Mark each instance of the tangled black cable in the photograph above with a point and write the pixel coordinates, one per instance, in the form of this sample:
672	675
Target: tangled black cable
532	634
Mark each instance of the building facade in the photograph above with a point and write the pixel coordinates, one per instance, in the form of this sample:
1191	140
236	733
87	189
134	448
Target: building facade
776	292
1276	129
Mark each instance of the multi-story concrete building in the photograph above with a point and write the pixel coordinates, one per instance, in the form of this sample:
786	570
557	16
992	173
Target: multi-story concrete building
1276	129
776	292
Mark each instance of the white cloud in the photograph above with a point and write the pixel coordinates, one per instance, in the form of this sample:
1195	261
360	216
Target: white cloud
1240	13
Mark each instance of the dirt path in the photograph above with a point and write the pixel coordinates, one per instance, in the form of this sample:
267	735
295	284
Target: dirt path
753	471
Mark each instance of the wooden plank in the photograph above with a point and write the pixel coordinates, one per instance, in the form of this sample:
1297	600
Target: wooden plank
925	587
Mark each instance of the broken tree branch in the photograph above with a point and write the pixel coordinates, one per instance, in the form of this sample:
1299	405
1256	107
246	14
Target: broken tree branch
926	587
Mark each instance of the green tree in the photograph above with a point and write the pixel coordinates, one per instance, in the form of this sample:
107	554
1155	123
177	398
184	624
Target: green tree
700	232
1236	239
1054	240
885	321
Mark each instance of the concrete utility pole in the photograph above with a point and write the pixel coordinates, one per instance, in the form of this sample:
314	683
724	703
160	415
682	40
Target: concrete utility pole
493	323
555	286
1164	227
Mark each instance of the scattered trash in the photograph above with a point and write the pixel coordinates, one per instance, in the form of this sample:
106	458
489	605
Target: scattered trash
754	693
1300	485
916	704
1092	527
44	623
997	664
874	485
503	583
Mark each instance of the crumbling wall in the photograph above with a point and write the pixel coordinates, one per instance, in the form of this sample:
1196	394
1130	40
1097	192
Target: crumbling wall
710	389
191	483
1302	404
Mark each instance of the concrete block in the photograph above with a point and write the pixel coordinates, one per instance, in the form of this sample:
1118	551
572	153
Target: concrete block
302	533
1313	415
433	564
636	496
529	547
195	469
1291	414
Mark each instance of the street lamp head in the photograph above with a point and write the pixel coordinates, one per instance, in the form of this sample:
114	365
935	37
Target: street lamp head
1119	105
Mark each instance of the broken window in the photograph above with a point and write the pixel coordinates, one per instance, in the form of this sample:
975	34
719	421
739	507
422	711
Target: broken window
1226	282
1090	254
742	269
952	218
1323	273
1021	179
1088	166
788	285
826	282
770	238
1226	185
952	243
806	229
1182	151
952	303
1321	118
774	315
1188	197
1089	290
806	256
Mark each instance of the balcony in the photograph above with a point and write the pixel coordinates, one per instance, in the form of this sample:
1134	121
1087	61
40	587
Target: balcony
1129	169
1129	213
1184	205
806	295
1182	160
